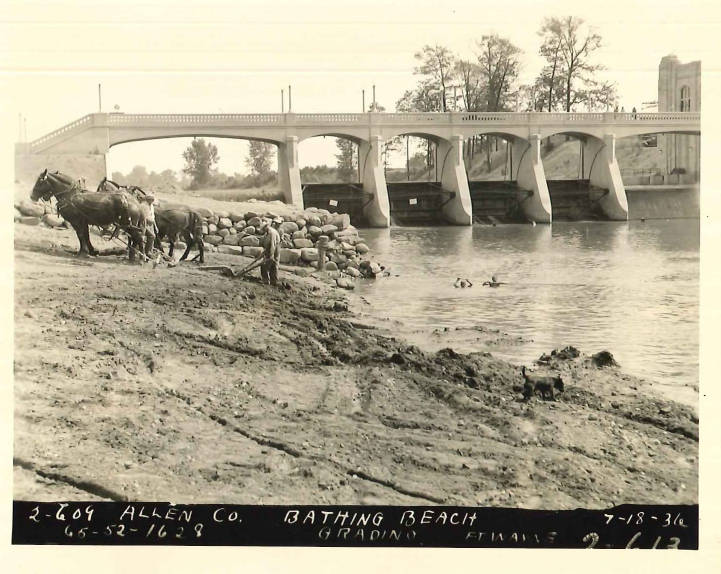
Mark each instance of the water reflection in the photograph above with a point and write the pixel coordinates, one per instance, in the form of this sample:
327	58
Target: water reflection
631	288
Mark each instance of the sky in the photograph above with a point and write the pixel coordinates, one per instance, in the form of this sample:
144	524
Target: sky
235	57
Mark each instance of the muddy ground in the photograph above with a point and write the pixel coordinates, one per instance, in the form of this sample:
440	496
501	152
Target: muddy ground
176	384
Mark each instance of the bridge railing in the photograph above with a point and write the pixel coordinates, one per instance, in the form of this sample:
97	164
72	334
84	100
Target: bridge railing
68	129
364	119
384	118
193	119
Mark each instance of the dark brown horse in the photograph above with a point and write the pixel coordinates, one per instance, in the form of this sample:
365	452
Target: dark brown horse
175	221
146	202
81	208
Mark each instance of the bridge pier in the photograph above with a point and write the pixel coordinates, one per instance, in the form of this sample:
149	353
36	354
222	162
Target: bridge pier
459	209
601	168
289	172
377	211
527	170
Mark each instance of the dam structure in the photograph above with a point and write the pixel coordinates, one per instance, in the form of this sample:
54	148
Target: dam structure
80	147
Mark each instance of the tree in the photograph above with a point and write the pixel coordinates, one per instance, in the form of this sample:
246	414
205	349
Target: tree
550	79
260	156
468	74
568	49
436	65
200	157
346	159
499	65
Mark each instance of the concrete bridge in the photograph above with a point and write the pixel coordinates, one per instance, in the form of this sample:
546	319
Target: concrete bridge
79	148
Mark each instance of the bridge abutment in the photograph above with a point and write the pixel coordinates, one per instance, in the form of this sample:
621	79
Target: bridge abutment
459	210
89	167
377	211
289	172
601	169
529	174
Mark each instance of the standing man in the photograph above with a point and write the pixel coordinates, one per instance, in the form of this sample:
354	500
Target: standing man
271	253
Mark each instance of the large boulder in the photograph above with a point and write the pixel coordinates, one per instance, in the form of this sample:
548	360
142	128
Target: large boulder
340	220
213	239
288	227
223	233
30	209
212	228
289	256
300	222
345	283
254	221
330	266
53	220
232	240
230	249
249	241
251	251
224	223
362	248
314	230
352	271
249	230
232	230
213	219
309	254
240	224
300	234
302	243
250	215
338	258
314	221
236	216
204	212
346	234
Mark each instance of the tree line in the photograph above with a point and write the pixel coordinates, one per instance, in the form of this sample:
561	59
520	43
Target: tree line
486	82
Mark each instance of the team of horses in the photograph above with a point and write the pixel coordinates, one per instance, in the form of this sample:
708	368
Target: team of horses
127	208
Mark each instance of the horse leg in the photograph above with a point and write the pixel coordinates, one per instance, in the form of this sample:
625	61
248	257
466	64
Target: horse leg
136	244
91	249
82	234
188	244
171	240
201	247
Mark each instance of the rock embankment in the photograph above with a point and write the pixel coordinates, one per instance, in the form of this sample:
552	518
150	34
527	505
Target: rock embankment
304	236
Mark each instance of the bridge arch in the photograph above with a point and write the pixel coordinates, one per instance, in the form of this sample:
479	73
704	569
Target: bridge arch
116	142
354	137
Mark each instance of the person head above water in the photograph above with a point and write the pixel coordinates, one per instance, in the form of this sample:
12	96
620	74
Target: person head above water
493	279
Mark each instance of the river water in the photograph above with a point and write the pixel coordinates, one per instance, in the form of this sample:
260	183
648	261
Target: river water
631	288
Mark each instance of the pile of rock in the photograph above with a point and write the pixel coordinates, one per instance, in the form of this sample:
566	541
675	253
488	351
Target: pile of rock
241	234
238	233
29	213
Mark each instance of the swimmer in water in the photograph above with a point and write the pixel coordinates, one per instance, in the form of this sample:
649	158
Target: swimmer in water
463	283
493	282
